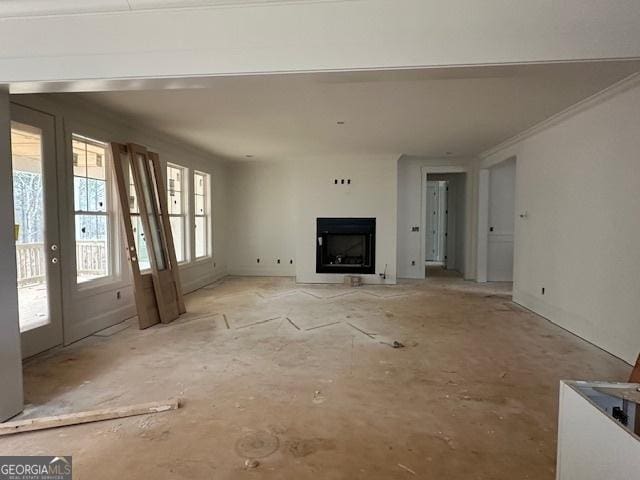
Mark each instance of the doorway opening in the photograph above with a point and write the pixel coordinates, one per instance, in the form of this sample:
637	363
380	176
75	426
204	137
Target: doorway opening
500	235
444	224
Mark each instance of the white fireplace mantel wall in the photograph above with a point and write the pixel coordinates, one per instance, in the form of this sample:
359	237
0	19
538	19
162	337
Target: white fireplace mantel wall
275	206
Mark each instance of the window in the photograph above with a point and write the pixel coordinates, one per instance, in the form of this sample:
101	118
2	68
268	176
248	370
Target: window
201	213
136	222
177	208
91	206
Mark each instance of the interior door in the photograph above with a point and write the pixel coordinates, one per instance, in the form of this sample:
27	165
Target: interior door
431	226
436	222
36	229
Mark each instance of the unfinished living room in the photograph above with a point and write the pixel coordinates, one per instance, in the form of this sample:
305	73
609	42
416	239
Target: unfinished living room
319	239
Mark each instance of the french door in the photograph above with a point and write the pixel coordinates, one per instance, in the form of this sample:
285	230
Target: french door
36	229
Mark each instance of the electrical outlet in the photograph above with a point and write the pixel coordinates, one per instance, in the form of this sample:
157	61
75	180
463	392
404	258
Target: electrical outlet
542	291
118	295
278	260
257	260
291	262
413	262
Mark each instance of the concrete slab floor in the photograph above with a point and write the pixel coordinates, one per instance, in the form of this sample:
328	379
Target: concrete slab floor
296	377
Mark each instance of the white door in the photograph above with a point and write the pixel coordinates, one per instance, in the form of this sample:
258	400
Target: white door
436	221
36	229
431	233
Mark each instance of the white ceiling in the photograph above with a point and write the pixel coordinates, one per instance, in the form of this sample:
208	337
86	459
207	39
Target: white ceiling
416	112
29	8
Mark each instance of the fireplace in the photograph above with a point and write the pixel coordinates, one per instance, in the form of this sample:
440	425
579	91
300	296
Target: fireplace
346	245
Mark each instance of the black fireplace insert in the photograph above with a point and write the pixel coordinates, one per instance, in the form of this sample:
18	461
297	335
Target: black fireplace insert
346	245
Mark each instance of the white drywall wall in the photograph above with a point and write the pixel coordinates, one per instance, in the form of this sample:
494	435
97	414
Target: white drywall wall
410	172
86	312
261	201
372	193
314	36
10	357
592	445
502	184
578	179
274	207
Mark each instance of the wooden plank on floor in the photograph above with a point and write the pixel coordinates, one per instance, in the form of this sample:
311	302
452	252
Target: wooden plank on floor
67	419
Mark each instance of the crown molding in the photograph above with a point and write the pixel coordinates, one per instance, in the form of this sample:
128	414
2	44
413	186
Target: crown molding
33	9
569	112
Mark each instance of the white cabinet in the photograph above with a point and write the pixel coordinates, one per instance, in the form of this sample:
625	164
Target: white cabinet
592	444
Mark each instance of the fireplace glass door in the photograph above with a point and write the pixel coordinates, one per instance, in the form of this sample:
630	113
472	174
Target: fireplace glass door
345	246
345	249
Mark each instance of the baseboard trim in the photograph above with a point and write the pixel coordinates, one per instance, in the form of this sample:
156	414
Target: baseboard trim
284	271
571	322
95	324
202	281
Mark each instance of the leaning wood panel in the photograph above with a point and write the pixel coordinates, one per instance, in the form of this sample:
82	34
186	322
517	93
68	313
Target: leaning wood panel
166	224
150	304
148	205
635	373
146	316
65	420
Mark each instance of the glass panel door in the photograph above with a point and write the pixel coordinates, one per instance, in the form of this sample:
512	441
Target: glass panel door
36	229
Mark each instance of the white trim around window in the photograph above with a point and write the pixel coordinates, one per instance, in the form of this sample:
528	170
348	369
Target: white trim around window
177	204
202	234
94	214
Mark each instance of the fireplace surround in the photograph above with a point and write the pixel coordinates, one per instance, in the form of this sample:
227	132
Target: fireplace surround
346	245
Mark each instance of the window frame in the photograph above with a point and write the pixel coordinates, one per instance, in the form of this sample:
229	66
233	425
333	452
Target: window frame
112	214
184	194
207	216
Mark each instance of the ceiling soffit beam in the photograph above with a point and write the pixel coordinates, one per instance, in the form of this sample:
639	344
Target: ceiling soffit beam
312	36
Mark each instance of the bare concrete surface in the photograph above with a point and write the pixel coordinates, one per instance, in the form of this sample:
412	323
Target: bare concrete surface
302	381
